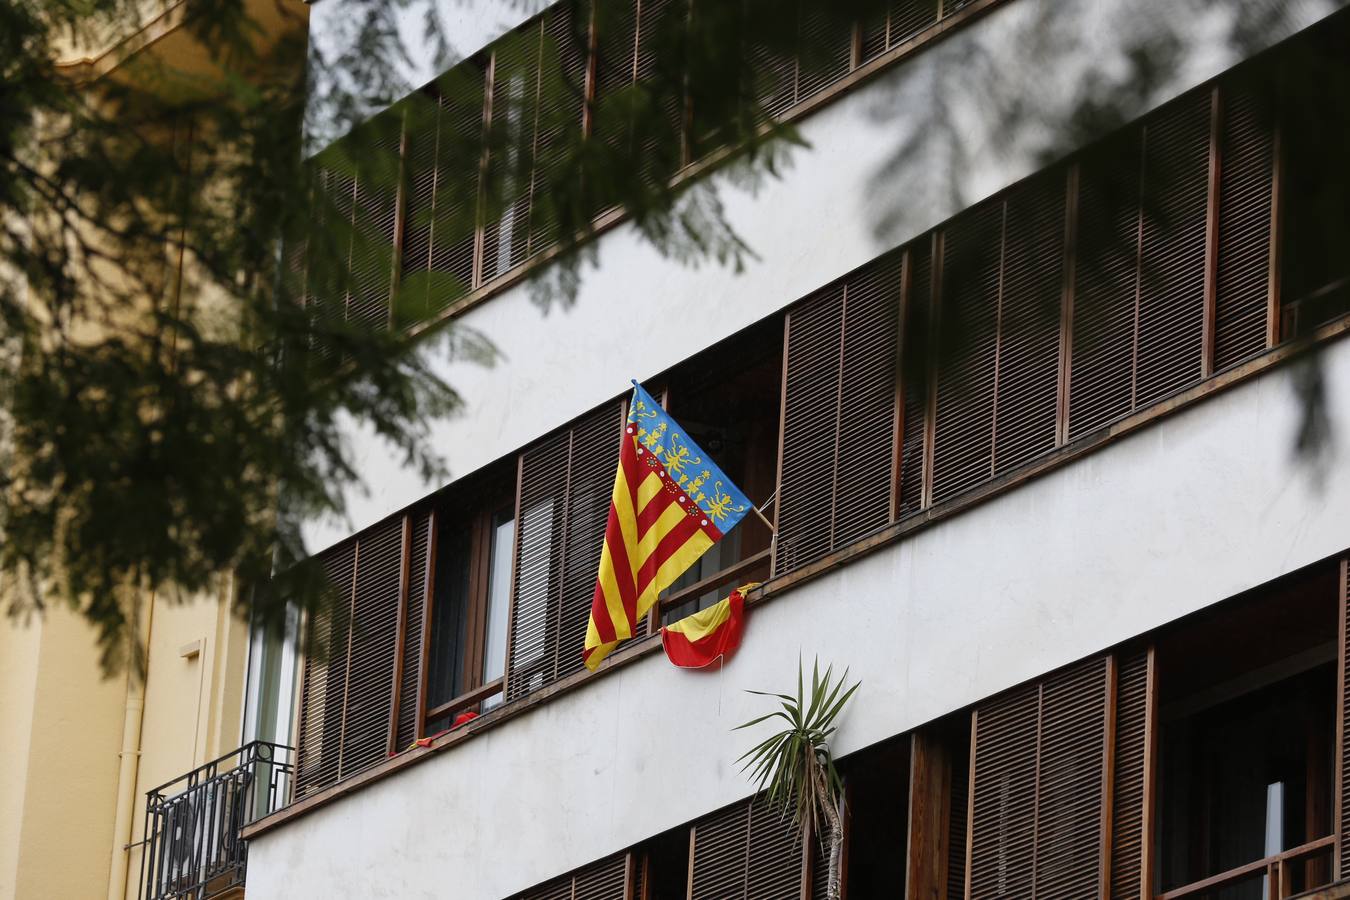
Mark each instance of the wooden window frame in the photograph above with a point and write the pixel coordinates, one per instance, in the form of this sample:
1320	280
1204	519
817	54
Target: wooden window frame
476	691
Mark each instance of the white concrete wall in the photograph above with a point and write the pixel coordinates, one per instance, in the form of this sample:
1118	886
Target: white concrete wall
1166	521
844	200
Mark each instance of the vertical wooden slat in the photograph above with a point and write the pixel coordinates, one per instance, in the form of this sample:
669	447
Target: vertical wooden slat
401	638
1244	235
428	600
1066	304
930	787
1341	862
1211	236
914	358
1130	776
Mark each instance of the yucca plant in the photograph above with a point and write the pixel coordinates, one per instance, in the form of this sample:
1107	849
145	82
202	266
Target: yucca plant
795	768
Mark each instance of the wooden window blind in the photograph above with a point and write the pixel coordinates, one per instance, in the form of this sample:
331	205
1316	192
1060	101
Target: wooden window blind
838	422
355	657
1170	330
375	212
748	851
999	336
894	23
416	602
1131	809
1039	787
608	879
915	371
1341	860
373	648
968	345
319	733
444	162
1139	297
1246	160
564	59
565	483
513	115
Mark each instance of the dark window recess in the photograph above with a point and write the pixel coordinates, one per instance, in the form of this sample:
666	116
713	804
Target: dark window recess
877	796
446	675
728	399
1315	189
662	867
1247	716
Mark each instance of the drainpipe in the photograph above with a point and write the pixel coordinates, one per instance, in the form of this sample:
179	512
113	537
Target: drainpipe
128	767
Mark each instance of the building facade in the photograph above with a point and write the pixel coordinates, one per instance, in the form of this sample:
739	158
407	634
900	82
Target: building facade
1096	599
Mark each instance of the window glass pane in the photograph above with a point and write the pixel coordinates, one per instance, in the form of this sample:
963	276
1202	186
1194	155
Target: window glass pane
498	600
449	617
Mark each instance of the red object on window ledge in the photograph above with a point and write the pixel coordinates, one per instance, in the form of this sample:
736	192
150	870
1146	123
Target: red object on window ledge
462	718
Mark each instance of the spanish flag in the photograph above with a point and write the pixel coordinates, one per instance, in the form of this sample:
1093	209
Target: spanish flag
709	634
670	504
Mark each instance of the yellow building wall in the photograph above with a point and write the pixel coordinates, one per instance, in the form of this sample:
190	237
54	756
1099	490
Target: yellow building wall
64	731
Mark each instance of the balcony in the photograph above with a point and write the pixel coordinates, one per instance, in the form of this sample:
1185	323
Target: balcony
192	844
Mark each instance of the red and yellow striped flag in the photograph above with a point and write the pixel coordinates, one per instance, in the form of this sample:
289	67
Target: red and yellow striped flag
670	504
708	635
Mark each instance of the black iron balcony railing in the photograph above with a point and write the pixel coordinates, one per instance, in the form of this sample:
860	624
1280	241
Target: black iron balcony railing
192	843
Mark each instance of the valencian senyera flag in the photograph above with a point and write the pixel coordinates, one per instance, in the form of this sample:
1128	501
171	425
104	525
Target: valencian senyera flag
670	504
708	635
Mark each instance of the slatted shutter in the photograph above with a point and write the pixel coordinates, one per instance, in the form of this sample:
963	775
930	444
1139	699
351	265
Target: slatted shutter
748	851
1105	285
330	251
1341	862
838	423
1246	188
896	22
410	678
605	880
514	113
444	156
562	92
319	735
963	439
616	36
376	221
1040	786
1133	757
564	496
825	52
374	645
958	821
1170	348
914	361
1026	395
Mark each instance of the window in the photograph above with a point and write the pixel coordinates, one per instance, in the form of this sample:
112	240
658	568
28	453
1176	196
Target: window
469	609
727	398
1314	91
1247	721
